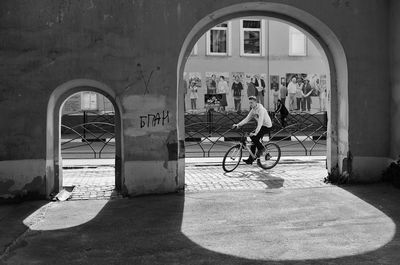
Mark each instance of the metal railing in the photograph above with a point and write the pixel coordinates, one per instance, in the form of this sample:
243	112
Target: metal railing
90	135
94	137
208	134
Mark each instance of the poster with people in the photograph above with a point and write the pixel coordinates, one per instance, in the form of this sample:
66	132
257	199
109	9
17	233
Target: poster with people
256	85
311	92
211	82
237	90
219	83
194	92
323	94
273	93
319	91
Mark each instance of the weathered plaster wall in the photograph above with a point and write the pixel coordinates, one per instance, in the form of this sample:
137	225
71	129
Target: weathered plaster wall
15	183
133	48
395	77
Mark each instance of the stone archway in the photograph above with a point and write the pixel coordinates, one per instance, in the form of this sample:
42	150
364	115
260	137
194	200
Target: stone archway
337	142
53	151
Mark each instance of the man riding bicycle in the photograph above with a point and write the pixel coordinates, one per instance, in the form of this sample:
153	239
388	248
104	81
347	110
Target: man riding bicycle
264	125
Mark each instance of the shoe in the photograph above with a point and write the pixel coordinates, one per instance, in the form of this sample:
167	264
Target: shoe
248	161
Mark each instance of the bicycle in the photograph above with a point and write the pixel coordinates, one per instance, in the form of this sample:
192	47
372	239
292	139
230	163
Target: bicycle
267	160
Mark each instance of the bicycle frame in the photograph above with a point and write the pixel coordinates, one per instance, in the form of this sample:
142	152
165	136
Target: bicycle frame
272	150
245	145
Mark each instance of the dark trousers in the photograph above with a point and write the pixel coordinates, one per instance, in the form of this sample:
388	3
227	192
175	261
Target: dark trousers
306	103
256	140
237	104
299	103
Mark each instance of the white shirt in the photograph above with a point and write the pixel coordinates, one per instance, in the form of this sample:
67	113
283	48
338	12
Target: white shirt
292	88
222	87
260	114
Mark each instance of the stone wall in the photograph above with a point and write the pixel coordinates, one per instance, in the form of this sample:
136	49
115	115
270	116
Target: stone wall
133	47
395	78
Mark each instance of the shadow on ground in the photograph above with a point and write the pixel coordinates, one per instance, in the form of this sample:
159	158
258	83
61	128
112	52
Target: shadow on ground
11	220
349	225
262	176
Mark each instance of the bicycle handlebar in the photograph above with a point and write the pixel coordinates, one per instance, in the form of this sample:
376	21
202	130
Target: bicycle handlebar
243	132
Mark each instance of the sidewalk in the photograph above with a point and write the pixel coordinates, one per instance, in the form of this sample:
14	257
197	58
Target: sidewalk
96	181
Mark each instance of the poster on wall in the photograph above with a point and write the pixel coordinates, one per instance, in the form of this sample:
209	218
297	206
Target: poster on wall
274	82
318	85
323	95
219	83
194	77
250	89
237	90
194	92
299	77
316	91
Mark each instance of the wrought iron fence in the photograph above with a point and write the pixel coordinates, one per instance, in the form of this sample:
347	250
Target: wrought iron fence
209	133
88	134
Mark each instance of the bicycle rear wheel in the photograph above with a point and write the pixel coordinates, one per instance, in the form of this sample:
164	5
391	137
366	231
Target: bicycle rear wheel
232	158
270	157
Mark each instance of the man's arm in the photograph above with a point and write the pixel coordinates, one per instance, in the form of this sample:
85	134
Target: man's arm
244	121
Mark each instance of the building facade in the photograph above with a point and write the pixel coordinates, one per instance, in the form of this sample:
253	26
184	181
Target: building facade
87	101
252	46
135	52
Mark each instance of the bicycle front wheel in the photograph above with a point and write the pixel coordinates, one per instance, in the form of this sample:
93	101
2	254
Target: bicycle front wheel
270	157
232	158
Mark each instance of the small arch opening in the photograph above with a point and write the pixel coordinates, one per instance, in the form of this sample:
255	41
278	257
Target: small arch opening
87	142
84	149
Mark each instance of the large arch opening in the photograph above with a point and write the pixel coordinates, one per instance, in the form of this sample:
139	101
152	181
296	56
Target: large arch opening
319	34
54	164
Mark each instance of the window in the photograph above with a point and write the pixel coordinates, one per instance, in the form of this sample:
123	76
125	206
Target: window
252	37
217	40
297	43
89	101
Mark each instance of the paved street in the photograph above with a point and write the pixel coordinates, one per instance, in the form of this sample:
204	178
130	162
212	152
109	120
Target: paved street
207	175
245	177
91	183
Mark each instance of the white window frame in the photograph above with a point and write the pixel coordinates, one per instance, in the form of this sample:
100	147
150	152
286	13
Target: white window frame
228	40
262	37
292	32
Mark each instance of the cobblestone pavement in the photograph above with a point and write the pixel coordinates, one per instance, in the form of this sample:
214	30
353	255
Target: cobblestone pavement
91	183
98	183
283	176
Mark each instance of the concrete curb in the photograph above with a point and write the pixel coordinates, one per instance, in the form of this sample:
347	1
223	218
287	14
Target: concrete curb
203	161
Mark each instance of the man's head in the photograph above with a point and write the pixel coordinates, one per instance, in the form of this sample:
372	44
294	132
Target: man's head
252	101
294	79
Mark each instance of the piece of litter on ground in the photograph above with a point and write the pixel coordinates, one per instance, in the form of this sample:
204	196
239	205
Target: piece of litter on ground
63	195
